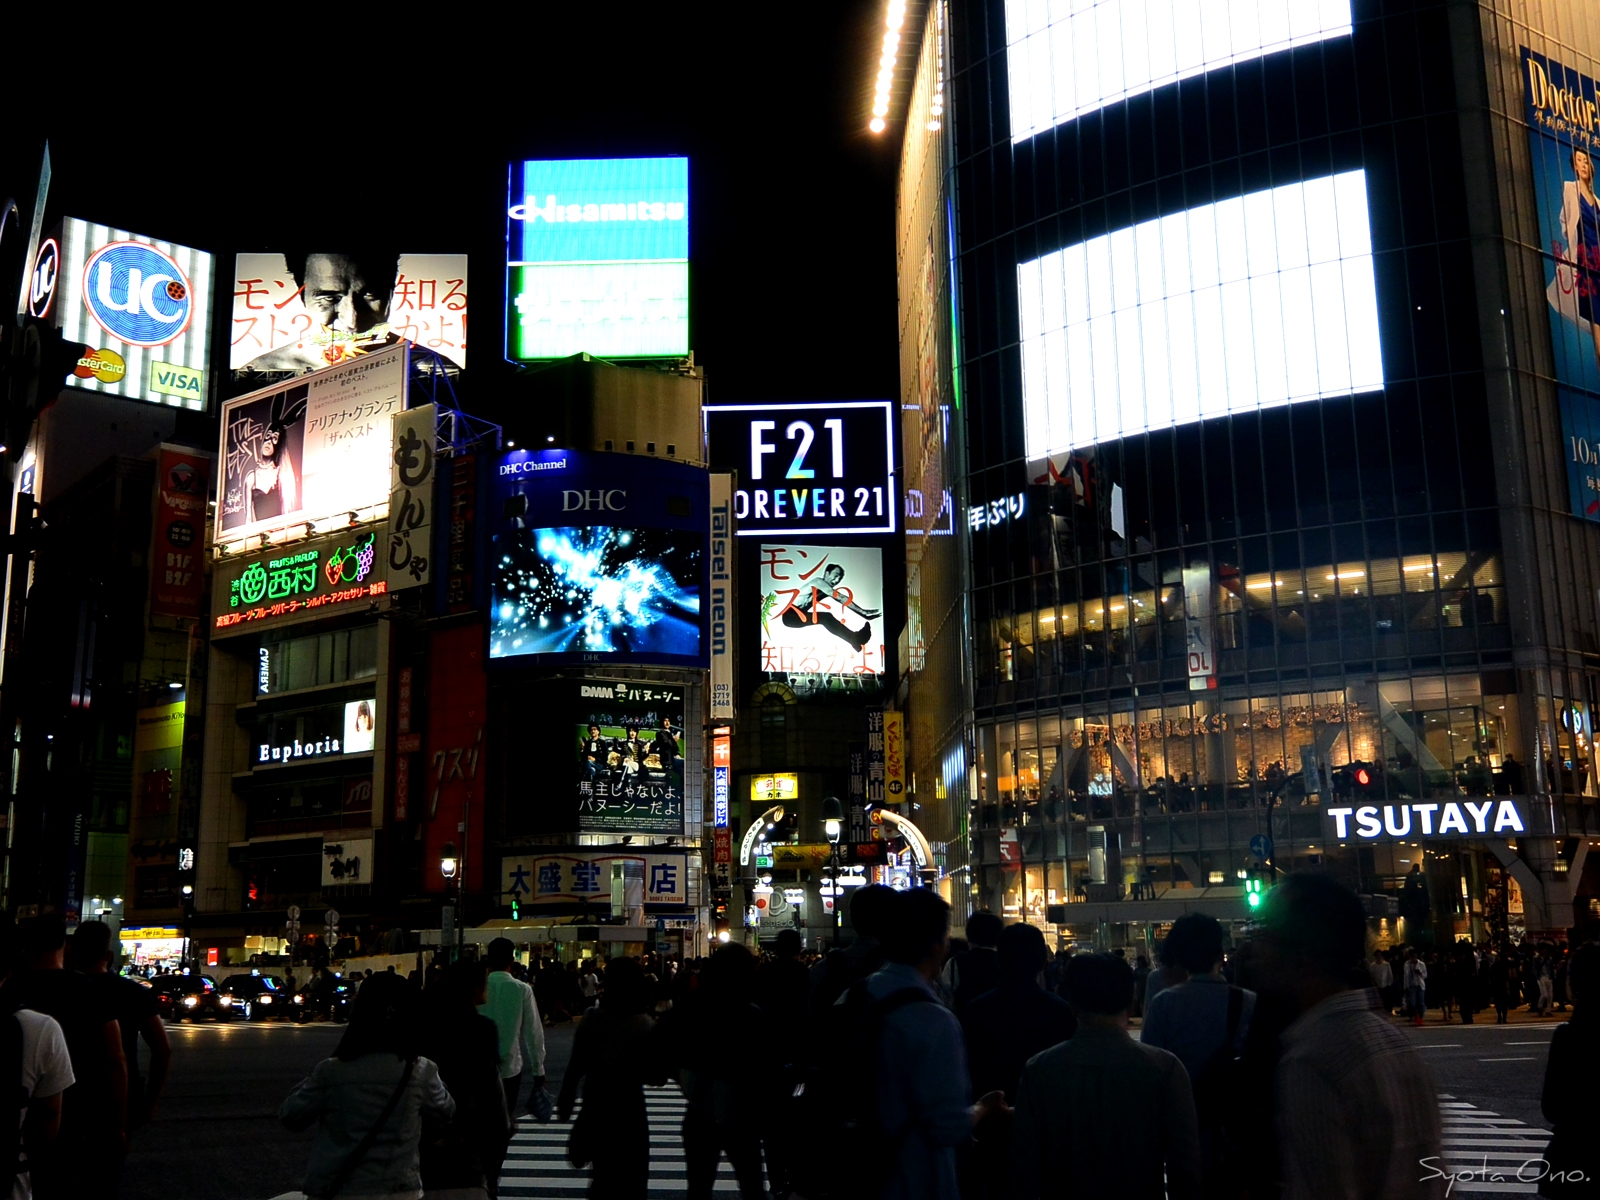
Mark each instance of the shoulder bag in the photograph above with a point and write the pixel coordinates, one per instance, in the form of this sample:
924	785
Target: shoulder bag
365	1148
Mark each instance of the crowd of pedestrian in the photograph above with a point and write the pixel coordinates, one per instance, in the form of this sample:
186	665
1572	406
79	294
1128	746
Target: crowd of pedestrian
1465	979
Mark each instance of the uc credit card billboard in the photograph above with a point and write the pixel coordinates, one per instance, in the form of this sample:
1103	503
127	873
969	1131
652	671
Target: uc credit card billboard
143	307
598	558
597	258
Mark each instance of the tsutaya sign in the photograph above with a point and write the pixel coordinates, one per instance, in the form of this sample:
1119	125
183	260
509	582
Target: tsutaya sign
1450	818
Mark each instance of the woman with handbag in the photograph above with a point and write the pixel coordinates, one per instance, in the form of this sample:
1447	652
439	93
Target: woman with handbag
461	1158
368	1101
611	1055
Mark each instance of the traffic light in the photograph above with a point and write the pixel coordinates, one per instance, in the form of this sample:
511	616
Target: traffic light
516	910
1254	889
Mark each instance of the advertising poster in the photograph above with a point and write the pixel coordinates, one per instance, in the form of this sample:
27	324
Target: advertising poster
177	574
1562	141
300	312
628	739
598	556
143	308
346	860
597	258
310	449
411	491
821	610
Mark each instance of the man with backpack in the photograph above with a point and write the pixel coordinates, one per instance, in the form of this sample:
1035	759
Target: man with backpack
899	1104
1205	1021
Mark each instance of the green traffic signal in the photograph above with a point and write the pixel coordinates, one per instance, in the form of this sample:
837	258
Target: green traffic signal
1252	891
516	910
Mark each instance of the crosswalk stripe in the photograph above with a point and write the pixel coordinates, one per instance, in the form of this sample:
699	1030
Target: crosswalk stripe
1486	1149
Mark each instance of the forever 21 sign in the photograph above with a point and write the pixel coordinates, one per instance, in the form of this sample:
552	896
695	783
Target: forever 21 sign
807	468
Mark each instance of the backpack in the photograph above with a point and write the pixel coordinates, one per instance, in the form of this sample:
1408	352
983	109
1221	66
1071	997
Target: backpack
840	1095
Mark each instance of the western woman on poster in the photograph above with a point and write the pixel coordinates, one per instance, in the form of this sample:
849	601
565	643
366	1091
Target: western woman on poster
1580	226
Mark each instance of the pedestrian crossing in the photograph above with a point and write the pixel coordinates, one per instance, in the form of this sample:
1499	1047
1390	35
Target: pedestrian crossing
1487	1153
536	1164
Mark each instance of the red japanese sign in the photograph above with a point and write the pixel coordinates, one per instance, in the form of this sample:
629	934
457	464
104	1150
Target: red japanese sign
177	556
453	771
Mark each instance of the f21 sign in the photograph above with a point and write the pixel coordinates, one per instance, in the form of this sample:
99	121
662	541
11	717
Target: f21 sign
807	468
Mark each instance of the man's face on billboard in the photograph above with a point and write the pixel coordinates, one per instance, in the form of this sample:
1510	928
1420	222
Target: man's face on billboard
343	294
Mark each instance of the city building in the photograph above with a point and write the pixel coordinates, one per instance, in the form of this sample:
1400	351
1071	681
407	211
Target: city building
1270	332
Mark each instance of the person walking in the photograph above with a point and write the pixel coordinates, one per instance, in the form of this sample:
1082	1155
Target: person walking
38	1063
717	1044
1357	1109
1501	985
1570	1102
1546	981
1205	1021
87	1157
1463	966
368	1101
515	1013
589	984
975	970
1141	975
1164	974
831	976
1004	1028
91	953
921	1063
782	991
612	1059
1415	974
1382	978
464	1158
1118	1115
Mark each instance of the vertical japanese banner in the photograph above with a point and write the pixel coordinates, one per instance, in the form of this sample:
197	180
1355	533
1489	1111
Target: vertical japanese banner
458	700
875	764
722	599
858	832
404	737
411	497
177	575
894	756
460	572
1197	627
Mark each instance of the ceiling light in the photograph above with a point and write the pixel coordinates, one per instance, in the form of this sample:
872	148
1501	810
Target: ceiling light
876	125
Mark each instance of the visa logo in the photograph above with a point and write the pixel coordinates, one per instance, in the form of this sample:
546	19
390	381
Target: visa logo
169	379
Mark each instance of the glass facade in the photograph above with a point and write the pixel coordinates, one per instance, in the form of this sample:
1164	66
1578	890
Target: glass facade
1242	518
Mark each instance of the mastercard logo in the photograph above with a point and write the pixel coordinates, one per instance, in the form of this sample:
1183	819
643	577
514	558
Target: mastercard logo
105	365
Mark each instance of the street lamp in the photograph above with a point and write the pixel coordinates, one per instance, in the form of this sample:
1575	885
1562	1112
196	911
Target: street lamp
833	826
448	863
449	866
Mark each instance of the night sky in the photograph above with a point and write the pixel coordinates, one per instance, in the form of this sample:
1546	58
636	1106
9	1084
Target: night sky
791	202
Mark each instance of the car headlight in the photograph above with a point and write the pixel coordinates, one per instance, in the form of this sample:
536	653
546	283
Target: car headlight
263	999
299	999
224	1000
190	1001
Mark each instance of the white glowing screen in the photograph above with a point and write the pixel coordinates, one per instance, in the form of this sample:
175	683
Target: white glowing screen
1249	303
1070	57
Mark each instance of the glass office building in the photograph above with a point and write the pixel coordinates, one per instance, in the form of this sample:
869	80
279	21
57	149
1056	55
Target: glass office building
1274	355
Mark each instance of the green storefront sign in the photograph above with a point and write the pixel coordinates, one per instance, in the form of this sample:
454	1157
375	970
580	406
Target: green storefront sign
286	582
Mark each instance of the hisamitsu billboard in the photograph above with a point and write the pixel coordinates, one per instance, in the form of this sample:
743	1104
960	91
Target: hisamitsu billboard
597	258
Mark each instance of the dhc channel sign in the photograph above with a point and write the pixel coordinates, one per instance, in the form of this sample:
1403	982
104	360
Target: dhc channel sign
137	294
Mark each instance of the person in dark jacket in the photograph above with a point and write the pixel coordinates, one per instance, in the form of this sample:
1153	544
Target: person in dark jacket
871	910
612	1058
782	991
971	972
1502	982
1464	982
1004	1028
1571	1103
467	1152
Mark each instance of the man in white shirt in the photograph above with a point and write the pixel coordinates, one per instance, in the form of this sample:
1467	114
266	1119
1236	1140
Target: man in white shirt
515	1013
45	1071
590	983
1416	985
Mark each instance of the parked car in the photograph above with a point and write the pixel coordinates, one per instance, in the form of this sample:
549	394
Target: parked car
191	998
328	996
260	997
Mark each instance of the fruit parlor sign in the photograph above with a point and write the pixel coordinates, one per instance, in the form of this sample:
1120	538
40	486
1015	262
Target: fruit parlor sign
283	583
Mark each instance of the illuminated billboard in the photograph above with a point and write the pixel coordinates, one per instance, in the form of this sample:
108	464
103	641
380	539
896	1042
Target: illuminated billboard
1564	142
302	311
314	448
598	557
807	468
1065	60
142	307
280	583
1249	303
821	610
628	738
597	258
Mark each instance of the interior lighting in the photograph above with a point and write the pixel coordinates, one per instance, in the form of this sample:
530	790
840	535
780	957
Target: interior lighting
1265	583
1349	575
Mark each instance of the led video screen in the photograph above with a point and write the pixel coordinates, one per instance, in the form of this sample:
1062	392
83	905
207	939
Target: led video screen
1249	303
597	589
1065	58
